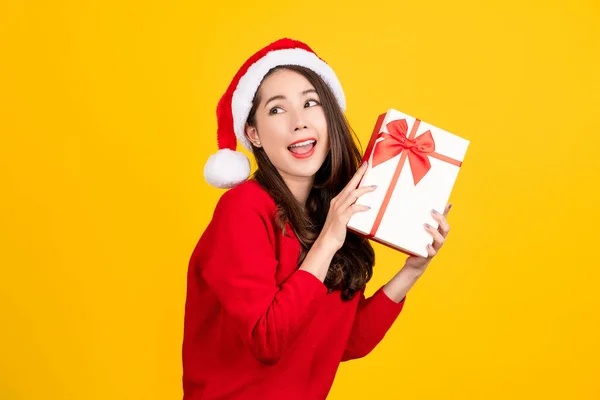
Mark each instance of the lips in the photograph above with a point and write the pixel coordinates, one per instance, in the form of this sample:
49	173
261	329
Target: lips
303	148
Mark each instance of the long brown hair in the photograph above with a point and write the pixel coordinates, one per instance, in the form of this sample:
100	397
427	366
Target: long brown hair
352	266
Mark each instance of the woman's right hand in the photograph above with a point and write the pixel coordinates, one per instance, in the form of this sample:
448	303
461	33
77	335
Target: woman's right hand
341	208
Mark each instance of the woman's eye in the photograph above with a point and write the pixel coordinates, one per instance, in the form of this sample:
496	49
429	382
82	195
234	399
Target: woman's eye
275	108
312	101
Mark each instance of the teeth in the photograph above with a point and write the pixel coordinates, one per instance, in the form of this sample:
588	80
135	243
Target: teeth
303	143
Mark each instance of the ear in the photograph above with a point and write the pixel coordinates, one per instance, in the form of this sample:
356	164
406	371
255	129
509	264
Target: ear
252	135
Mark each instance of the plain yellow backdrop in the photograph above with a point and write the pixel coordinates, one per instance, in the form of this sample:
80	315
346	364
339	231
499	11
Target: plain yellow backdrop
107	115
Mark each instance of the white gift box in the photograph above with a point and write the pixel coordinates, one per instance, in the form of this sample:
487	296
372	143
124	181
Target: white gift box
414	165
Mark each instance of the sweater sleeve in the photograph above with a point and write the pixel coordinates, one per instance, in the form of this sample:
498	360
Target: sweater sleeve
374	317
239	265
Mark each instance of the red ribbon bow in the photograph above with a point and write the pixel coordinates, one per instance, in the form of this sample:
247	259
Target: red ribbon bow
397	141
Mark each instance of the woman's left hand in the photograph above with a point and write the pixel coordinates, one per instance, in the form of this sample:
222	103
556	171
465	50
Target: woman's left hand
439	236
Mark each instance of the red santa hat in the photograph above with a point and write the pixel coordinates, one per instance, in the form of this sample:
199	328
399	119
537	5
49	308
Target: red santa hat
228	167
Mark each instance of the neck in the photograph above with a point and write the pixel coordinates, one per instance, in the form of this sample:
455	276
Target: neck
300	187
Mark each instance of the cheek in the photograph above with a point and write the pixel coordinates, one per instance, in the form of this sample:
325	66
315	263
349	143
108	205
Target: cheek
269	130
321	126
321	122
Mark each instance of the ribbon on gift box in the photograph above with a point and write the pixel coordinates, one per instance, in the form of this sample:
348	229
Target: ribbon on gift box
416	149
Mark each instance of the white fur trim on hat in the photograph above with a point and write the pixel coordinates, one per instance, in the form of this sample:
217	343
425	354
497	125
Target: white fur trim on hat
227	168
244	93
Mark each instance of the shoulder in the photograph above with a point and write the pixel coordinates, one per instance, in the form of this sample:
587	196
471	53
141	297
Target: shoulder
242	222
246	198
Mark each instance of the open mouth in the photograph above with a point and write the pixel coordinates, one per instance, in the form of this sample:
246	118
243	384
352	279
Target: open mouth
303	149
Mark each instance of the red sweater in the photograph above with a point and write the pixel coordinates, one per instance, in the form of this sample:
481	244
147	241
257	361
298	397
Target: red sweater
256	327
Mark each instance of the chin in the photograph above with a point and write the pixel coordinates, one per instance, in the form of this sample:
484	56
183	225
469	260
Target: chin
309	170
305	170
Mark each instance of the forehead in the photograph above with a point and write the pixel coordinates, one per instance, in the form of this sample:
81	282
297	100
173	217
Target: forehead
284	82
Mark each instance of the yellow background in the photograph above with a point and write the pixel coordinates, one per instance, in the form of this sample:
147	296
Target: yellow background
107	115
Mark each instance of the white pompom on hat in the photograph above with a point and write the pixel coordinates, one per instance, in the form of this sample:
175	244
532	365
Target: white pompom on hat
228	167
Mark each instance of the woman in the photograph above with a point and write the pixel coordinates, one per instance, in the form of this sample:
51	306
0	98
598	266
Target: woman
276	283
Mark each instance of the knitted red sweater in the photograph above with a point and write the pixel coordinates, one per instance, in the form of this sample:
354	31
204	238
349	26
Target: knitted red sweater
256	327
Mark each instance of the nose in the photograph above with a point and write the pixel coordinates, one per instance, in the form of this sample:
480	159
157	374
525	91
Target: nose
300	127
299	121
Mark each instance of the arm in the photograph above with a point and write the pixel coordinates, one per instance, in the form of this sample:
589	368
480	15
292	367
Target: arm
376	314
238	264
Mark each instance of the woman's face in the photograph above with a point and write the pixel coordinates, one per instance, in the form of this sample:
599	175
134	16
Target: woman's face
290	125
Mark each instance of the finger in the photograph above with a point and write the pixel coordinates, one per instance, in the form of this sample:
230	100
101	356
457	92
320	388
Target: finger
353	182
430	251
354	195
353	209
447	209
438	239
443	227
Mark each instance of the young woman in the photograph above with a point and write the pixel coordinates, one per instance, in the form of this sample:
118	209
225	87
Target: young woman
276	283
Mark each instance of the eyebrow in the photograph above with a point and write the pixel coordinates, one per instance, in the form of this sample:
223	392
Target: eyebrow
282	97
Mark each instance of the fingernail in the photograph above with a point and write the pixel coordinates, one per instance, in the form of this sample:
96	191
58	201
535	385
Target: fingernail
427	226
435	212
449	206
429	246
363	164
374	186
